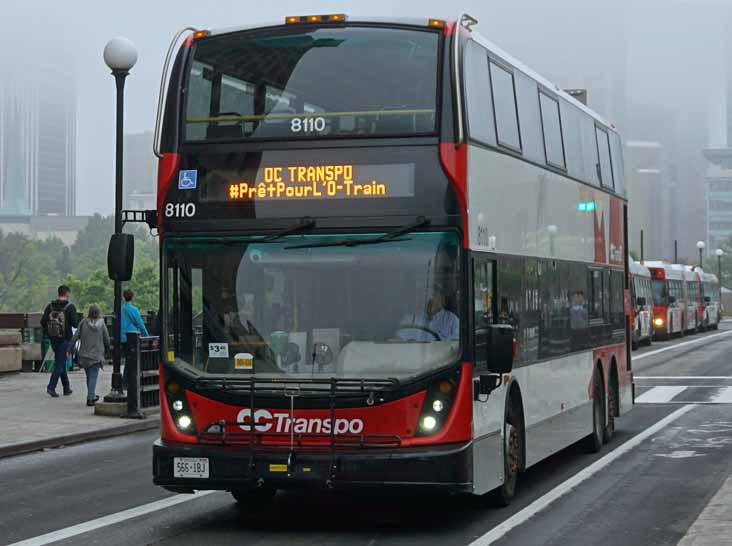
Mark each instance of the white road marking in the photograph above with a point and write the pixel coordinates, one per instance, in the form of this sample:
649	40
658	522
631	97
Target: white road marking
678	345
111	519
692	377
659	395
565	487
723	397
680	454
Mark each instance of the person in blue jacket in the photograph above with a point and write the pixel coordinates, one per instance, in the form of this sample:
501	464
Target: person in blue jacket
131	323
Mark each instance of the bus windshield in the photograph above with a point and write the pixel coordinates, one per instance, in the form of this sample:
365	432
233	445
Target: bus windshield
313	83
379	310
659	292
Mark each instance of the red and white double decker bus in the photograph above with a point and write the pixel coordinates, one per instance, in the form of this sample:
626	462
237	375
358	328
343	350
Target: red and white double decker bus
641	307
668	299
391	255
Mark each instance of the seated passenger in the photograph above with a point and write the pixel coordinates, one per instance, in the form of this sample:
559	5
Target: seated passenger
436	318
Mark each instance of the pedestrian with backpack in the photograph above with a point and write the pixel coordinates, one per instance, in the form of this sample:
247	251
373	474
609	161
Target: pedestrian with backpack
93	338
59	318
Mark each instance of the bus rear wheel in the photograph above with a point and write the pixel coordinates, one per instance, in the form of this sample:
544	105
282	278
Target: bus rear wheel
513	453
593	442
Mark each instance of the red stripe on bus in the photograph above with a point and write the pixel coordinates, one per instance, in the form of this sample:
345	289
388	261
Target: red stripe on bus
454	161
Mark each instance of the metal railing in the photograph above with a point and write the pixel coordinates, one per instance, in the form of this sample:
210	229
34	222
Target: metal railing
142	362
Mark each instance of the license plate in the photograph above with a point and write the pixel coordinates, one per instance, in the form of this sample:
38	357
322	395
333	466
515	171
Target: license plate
190	467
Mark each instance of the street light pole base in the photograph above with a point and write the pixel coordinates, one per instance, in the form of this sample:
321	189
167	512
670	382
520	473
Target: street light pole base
134	415
116	396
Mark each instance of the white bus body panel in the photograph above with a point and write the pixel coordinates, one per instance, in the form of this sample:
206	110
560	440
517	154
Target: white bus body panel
544	199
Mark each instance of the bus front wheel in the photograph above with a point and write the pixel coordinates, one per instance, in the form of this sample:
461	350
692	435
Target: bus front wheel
513	453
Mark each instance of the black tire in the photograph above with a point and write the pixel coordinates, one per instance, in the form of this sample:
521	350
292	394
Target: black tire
612	410
255	501
513	453
593	442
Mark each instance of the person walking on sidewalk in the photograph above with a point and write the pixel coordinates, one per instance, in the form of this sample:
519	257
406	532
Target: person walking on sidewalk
131	323
59	317
93	338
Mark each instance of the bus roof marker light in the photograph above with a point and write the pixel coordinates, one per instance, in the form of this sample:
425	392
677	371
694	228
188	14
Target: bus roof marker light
201	34
436	23
315	18
337	17
291	20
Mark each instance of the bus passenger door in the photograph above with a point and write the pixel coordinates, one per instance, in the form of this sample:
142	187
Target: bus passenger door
487	410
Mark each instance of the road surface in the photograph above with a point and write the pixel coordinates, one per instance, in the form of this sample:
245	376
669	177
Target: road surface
668	458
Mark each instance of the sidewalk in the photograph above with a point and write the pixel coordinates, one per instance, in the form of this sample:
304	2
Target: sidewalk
32	420
713	527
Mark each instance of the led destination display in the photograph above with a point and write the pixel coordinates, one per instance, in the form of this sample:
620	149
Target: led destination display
324	181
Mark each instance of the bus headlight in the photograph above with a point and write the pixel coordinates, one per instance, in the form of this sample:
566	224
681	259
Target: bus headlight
428	423
437	403
177	405
184	422
658	321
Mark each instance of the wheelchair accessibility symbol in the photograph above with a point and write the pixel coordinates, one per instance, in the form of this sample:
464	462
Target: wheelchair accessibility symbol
187	180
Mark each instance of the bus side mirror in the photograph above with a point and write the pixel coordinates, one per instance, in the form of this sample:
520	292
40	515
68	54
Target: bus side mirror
641	301
121	257
707	299
671	299
500	348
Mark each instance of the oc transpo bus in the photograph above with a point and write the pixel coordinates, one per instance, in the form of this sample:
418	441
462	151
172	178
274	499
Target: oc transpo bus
391	256
712	301
641	307
669	305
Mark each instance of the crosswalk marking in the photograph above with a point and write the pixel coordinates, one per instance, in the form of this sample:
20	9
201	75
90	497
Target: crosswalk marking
659	395
724	396
685	394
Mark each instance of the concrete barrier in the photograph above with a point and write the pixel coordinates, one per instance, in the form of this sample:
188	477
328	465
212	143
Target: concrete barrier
11	352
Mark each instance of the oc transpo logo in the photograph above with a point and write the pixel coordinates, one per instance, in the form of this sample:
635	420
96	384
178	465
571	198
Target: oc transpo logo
266	420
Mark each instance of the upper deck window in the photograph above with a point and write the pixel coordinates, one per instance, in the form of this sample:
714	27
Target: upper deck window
504	101
605	169
313	82
552	126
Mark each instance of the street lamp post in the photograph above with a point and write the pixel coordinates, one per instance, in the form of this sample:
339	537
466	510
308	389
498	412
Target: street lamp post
700	245
120	56
719	252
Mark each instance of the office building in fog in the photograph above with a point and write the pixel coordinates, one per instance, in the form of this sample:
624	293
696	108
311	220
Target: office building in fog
37	142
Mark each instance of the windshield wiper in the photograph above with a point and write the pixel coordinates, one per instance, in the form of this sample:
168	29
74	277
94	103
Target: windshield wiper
391	236
305	224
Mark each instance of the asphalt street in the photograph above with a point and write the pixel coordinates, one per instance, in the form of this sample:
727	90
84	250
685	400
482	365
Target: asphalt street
668	458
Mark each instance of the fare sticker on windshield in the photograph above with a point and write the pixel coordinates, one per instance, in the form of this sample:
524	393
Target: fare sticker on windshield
341	181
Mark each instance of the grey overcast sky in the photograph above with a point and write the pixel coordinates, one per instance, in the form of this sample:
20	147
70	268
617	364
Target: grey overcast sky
565	40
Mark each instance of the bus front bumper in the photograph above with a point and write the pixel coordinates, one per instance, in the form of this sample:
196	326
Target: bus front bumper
439	467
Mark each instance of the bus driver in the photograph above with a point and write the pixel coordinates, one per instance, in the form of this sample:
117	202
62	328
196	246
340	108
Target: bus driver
436	318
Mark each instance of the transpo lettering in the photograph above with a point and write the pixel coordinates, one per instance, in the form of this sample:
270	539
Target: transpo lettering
282	423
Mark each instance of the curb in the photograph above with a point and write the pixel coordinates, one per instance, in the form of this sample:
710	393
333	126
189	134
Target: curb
151	423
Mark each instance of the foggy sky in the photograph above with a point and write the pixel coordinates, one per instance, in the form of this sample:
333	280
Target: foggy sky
572	42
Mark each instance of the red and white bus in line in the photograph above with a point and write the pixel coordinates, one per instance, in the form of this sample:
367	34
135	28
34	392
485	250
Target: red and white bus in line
712	300
641	308
691	299
668	299
392	256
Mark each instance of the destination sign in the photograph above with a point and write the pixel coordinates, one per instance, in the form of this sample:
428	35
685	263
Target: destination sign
324	181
